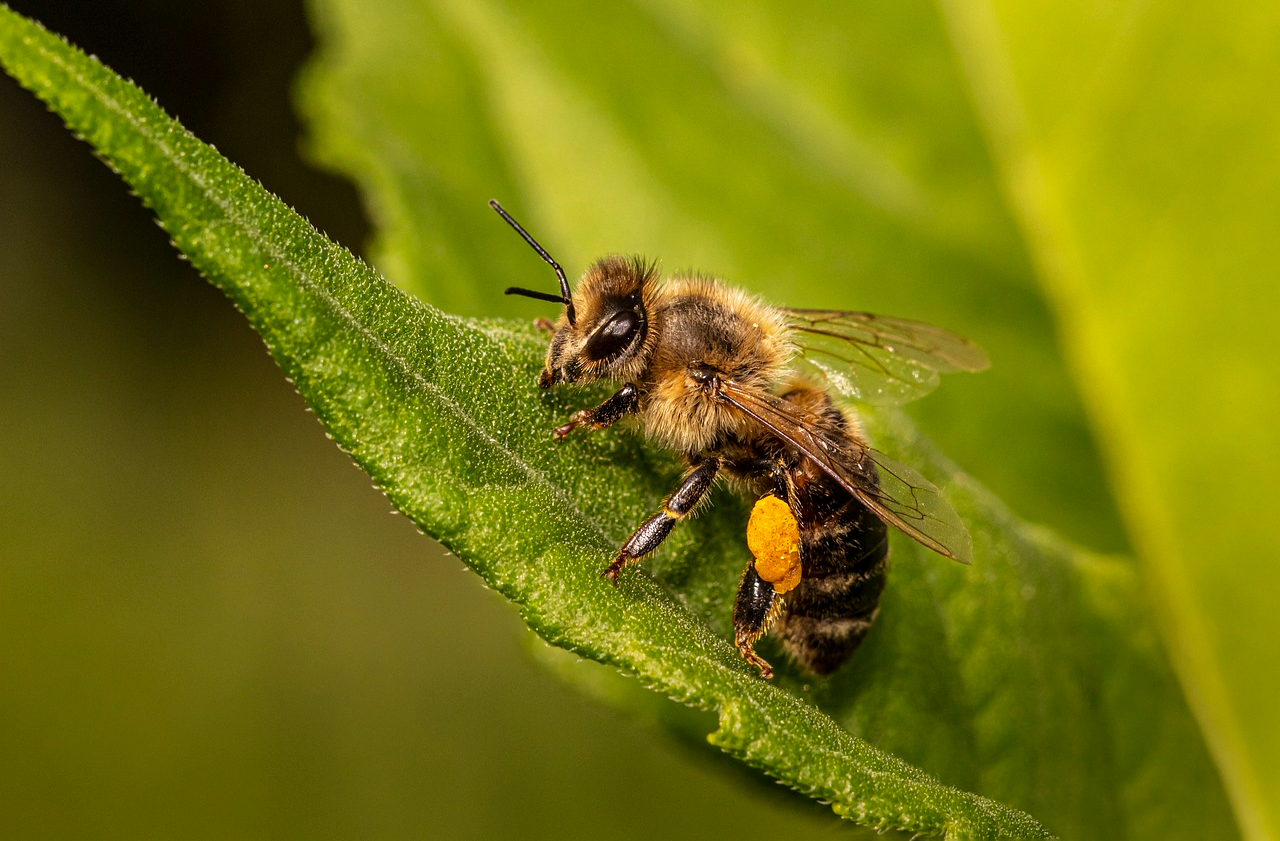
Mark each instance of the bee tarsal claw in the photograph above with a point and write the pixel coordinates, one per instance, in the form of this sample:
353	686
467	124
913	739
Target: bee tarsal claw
748	654
611	571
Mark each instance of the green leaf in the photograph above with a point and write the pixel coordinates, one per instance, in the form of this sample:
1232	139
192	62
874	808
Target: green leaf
1138	143
1015	677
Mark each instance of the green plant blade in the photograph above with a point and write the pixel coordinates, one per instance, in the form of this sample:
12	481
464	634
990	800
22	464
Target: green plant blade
1139	148
433	409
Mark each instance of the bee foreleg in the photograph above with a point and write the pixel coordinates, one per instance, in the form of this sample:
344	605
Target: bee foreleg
757	606
623	401
654	530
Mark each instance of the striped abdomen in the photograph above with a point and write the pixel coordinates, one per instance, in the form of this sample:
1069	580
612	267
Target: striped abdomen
844	552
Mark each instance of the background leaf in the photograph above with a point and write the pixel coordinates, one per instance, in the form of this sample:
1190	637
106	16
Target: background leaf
824	154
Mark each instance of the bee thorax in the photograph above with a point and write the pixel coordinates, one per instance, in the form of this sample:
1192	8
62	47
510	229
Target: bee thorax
681	414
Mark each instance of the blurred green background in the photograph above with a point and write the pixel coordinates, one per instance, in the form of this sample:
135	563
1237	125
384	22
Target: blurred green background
211	625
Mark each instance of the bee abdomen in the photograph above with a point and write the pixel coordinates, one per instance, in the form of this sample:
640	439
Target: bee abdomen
845	565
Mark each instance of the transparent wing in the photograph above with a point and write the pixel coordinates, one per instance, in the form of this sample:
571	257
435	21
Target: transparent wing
894	492
877	358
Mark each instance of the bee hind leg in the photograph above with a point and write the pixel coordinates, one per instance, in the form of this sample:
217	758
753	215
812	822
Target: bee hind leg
654	530
756	608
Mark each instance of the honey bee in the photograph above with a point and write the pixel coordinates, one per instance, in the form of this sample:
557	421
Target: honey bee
744	390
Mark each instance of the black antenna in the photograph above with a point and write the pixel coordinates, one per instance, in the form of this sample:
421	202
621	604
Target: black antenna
566	297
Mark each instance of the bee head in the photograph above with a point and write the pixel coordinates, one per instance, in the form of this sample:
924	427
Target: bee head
601	333
606	340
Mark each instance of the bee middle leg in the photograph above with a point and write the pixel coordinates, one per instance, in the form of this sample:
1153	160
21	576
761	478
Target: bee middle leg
654	530
620	403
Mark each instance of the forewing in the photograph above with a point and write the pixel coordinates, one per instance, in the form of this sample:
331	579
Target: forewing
877	358
894	492
911	502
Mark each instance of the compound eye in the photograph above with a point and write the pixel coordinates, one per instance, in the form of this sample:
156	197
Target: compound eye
613	336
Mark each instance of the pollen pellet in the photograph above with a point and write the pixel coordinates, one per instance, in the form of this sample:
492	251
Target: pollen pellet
774	539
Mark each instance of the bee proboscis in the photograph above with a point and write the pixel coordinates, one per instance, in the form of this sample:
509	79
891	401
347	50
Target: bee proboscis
744	390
